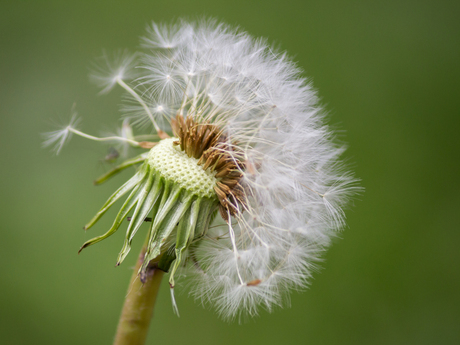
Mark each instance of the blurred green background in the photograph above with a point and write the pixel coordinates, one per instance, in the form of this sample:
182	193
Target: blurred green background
388	73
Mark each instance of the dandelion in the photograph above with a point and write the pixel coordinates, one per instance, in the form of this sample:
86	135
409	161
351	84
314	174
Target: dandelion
239	177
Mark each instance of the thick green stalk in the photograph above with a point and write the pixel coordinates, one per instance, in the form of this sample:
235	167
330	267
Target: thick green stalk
139	303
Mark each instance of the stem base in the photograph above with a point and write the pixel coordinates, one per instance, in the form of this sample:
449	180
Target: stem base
138	307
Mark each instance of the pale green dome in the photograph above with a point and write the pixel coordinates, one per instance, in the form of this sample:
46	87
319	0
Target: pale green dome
174	165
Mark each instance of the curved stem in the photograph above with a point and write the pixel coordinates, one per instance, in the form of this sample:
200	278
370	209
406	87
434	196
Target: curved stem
92	137
138	307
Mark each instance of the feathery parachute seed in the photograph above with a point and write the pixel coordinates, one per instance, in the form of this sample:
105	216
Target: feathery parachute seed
241	181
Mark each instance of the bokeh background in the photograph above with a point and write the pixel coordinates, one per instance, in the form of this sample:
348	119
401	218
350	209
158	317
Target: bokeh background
388	74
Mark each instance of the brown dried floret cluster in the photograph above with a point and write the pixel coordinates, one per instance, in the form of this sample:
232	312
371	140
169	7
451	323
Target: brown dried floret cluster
214	151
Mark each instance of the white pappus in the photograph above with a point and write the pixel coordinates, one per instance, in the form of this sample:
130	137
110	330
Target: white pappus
280	186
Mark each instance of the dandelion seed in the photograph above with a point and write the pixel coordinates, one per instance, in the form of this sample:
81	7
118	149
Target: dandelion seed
242	182
110	70
59	137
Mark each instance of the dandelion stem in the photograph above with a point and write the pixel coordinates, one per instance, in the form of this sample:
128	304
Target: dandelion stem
91	137
139	303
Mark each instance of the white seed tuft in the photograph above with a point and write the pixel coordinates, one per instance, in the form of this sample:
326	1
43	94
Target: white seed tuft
59	137
108	70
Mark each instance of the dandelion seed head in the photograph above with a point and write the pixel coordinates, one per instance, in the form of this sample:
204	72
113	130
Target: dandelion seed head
243	111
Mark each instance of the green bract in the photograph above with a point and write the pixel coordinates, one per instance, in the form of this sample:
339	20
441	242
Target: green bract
178	194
